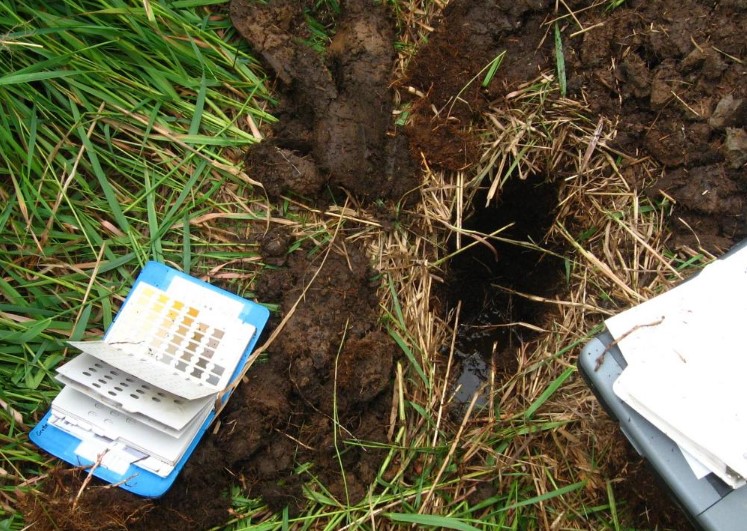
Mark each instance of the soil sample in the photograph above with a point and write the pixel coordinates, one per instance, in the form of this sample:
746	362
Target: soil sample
335	127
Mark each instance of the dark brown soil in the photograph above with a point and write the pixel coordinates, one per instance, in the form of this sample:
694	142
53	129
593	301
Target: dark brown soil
447	71
335	124
672	73
628	68
324	392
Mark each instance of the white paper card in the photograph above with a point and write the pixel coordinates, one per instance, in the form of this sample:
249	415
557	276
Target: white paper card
196	339
687	364
112	424
146	369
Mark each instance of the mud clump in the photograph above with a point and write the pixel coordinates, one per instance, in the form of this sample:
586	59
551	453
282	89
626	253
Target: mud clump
336	117
324	392
449	71
671	74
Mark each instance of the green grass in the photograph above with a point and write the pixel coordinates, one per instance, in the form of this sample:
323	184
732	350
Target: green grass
560	60
493	67
115	129
611	5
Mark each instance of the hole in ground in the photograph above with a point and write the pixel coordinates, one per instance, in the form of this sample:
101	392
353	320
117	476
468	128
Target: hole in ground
491	318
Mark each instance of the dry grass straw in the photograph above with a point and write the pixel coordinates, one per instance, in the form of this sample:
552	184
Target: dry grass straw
543	437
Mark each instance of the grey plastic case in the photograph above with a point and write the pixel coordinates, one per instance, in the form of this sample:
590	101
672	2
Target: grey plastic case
708	502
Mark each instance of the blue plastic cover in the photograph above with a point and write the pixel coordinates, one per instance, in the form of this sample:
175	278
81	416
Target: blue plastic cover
137	480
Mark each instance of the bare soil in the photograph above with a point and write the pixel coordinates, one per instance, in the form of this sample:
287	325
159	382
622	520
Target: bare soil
672	73
335	126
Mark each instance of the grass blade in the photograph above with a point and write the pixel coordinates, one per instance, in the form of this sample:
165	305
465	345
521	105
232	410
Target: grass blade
560	61
493	67
433	521
548	392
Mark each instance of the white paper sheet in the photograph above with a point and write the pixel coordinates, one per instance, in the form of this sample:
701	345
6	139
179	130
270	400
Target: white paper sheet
687	364
107	422
696	421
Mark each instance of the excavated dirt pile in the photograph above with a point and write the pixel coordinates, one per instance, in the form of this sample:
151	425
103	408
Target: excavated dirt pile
335	127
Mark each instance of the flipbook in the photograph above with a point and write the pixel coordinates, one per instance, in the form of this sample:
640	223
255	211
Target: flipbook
135	405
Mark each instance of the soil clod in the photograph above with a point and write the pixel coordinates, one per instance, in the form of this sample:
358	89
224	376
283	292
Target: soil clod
336	119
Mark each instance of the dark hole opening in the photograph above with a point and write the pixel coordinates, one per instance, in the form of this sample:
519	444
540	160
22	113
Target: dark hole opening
487	333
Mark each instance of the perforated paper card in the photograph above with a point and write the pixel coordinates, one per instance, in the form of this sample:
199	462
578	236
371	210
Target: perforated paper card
136	403
139	399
